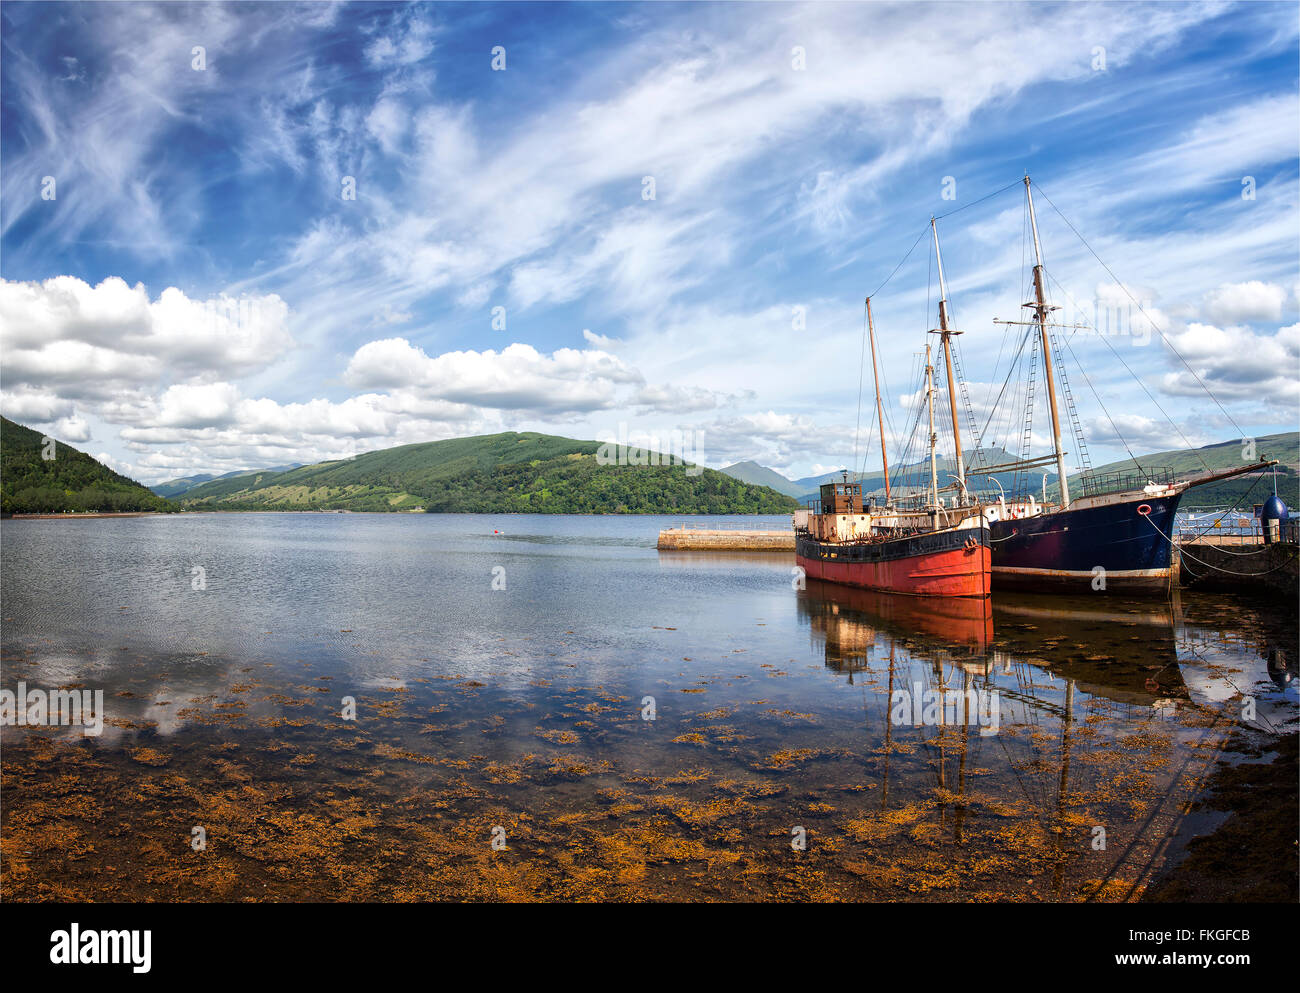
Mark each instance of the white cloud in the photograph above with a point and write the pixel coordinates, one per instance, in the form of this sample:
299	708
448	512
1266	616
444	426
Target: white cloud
411	40
95	340
72	428
388	122
603	342
1141	433
1236	364
197	406
27	404
1236	303
389	315
517	378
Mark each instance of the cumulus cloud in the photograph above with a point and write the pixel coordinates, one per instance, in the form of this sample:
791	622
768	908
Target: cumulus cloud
29	404
519	377
768	438
1236	303
72	428
1144	434
1236	363
93	341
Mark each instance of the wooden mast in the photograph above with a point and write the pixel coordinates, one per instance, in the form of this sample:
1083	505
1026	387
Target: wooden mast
934	478
1041	311
945	334
880	410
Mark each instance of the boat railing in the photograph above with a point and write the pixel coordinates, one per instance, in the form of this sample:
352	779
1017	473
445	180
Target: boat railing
1237	529
1122	480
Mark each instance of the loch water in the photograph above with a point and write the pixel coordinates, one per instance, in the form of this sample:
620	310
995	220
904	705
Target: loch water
398	707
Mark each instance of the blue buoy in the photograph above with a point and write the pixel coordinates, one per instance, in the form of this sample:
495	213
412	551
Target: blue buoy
1271	516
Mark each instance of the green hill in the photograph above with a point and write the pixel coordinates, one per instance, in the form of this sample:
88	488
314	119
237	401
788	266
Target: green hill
71	480
500	473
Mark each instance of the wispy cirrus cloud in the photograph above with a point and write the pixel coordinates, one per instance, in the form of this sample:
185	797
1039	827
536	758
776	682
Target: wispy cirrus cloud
499	214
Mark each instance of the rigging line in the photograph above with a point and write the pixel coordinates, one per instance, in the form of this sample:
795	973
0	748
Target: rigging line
906	470
996	366
1100	403
1006	331
862	357
924	230
1010	372
1158	331
1163	413
987	196
1054	281
1184	553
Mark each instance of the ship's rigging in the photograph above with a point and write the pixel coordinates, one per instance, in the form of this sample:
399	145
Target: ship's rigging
1039	350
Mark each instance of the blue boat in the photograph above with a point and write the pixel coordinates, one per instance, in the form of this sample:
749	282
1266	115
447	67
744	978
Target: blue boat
1116	536
1125	547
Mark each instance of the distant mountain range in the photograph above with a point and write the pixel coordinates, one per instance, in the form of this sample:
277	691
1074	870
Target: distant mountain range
534	473
1284	447
178	487
909	477
761	475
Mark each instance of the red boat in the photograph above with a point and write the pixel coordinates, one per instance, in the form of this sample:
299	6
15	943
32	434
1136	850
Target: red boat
930	549
841	544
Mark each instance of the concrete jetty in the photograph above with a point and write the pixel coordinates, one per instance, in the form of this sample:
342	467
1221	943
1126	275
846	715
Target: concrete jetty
731	539
1239	563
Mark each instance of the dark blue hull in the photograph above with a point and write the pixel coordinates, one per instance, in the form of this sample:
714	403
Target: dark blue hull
1112	548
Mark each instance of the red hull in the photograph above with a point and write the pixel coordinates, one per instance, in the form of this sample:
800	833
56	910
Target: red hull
955	572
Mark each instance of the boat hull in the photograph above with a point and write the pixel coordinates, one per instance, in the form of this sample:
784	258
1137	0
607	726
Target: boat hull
953	563
1111	548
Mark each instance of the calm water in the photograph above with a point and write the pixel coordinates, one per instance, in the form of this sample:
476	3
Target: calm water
502	669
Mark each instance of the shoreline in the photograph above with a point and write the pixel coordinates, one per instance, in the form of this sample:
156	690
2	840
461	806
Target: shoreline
81	515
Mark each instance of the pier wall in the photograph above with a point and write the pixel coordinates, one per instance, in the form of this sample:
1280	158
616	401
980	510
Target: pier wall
1241	567
701	539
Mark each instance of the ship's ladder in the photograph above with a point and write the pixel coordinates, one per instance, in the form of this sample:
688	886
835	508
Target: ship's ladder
1085	462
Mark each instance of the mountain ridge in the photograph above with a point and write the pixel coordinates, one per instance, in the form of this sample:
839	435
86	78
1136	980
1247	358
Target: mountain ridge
510	472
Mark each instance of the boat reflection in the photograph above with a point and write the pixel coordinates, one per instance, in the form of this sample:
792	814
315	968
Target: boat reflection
1072	681
850	622
1123	650
1147	656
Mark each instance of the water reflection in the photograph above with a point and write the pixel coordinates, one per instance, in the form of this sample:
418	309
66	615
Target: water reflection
850	622
1149	655
525	706
1061	668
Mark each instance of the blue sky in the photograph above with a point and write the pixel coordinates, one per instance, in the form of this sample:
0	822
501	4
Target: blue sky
199	296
